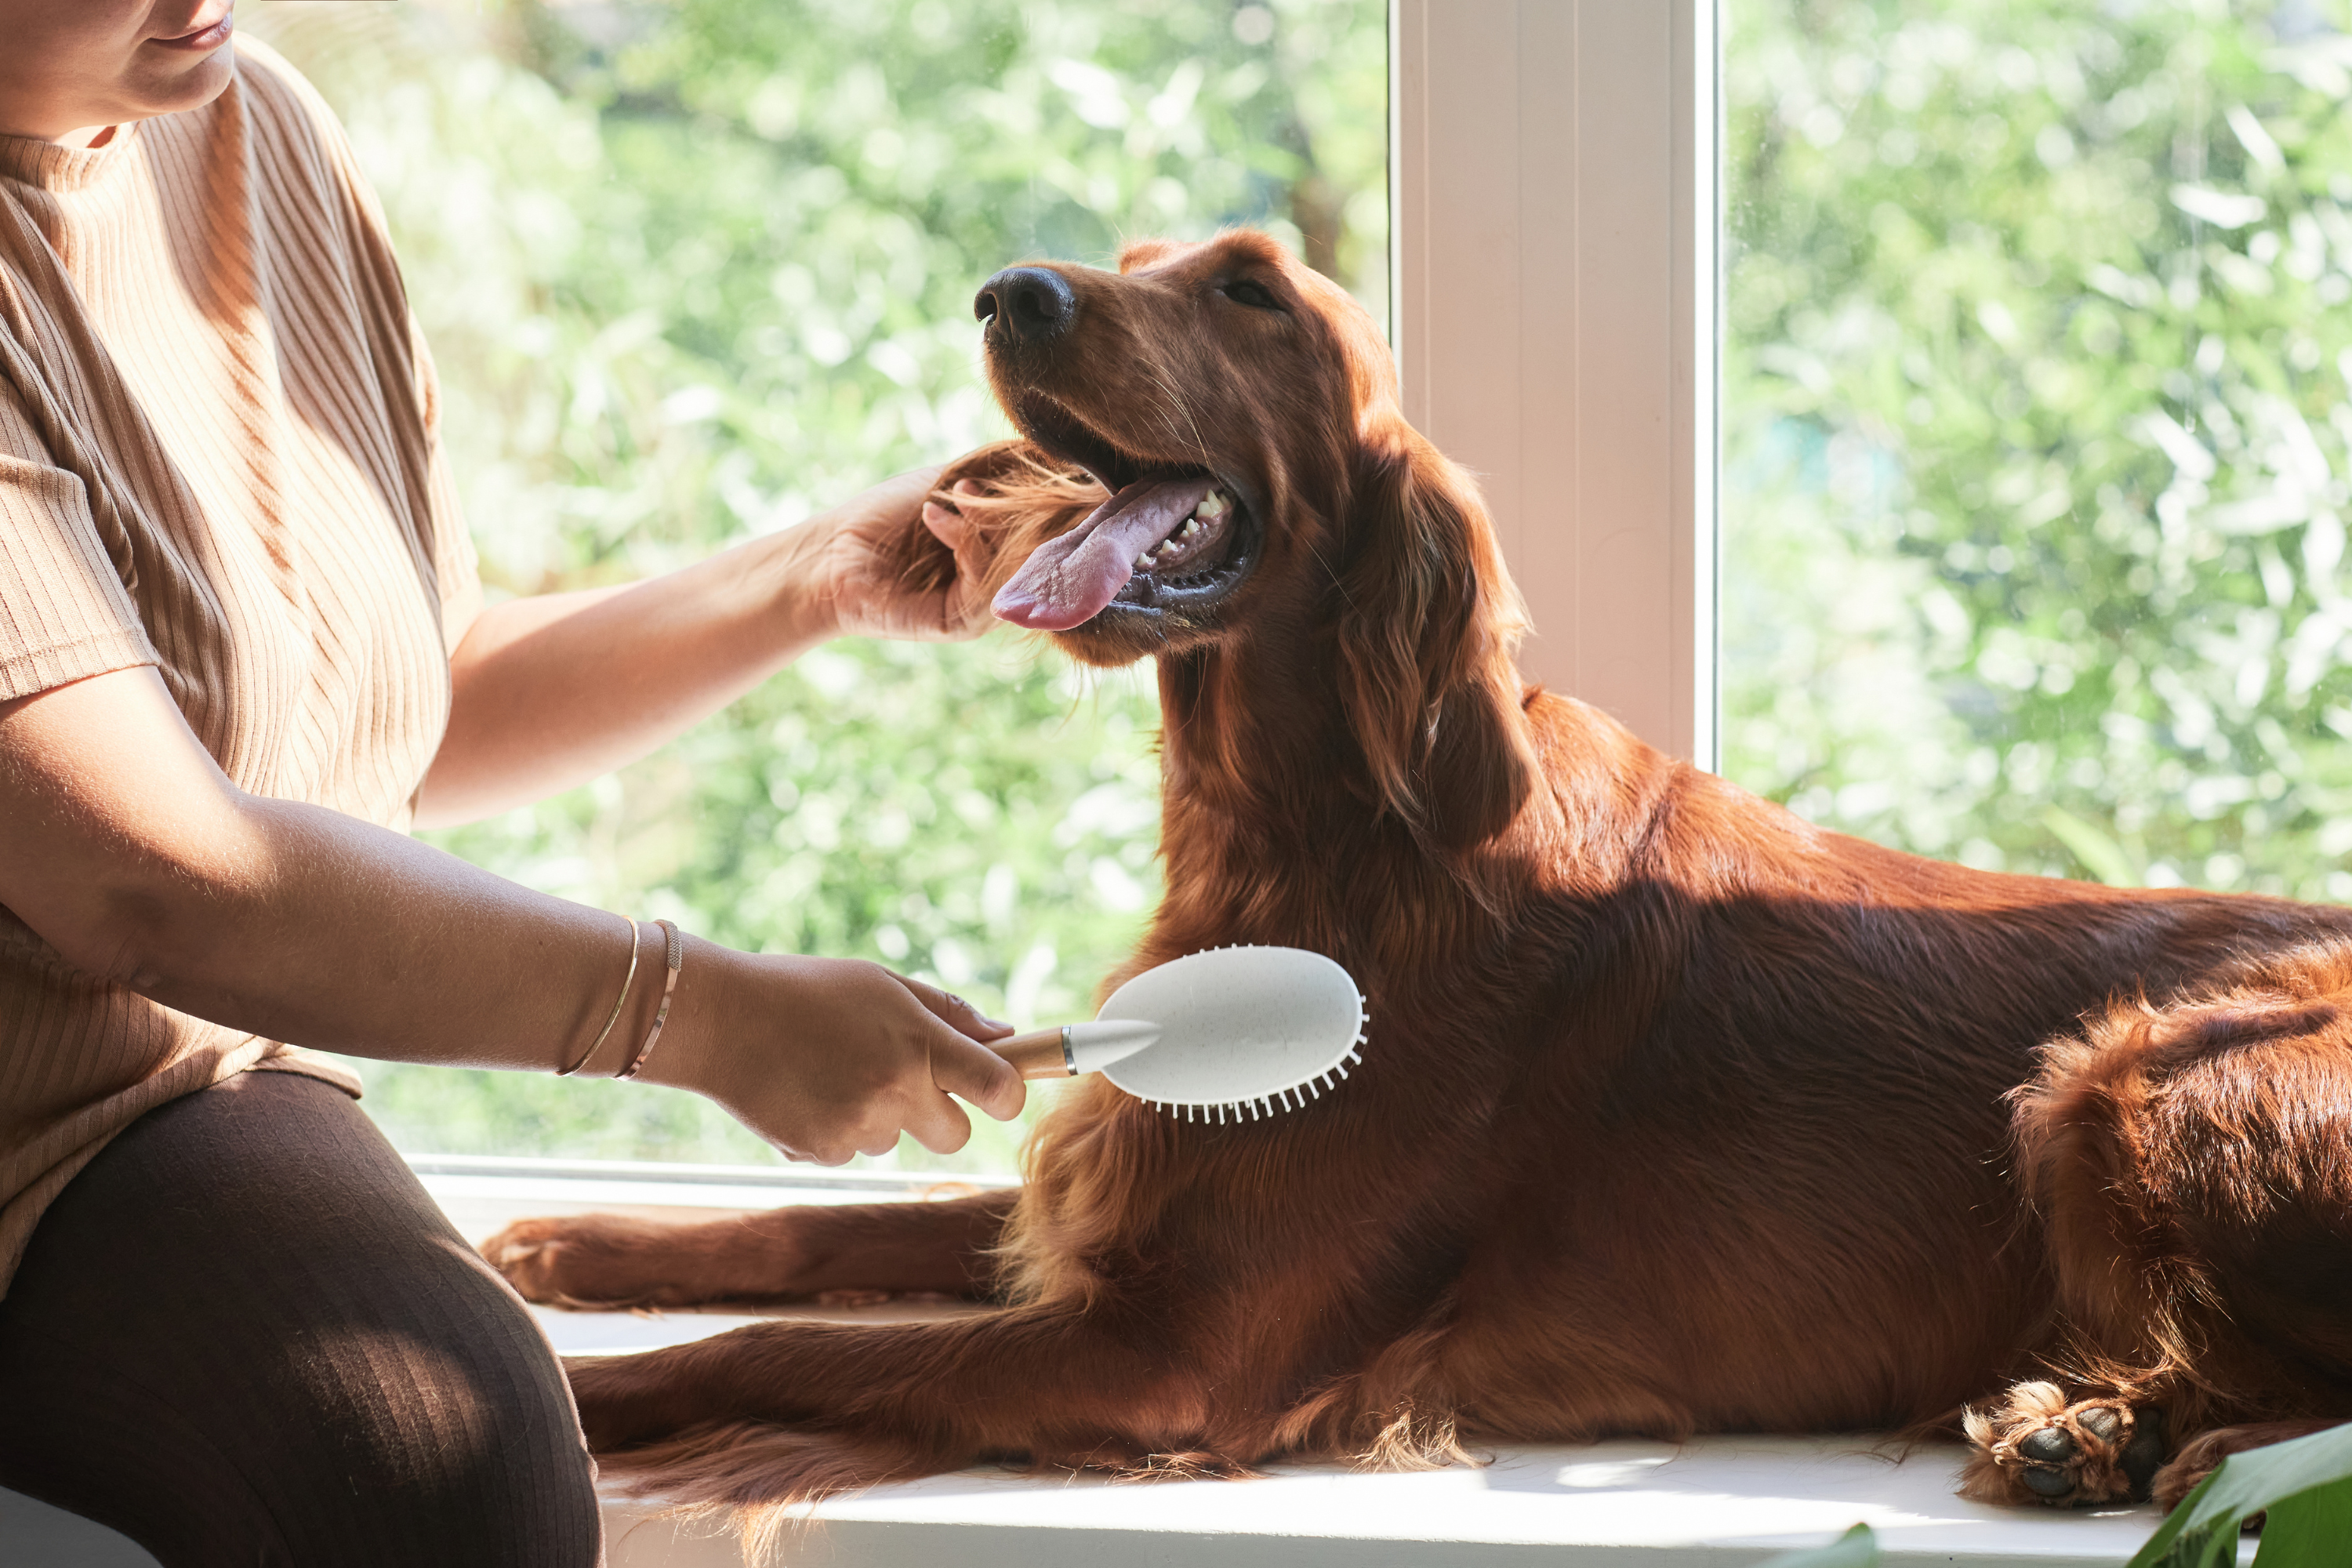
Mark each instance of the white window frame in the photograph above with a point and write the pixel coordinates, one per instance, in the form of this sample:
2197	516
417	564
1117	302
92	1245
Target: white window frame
1553	213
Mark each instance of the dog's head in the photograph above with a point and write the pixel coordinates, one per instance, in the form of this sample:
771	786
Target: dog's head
1241	412
1211	390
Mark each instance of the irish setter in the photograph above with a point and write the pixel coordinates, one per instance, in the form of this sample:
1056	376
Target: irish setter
1678	1113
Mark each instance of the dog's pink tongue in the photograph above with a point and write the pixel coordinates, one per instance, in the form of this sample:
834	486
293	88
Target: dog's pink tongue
1067	581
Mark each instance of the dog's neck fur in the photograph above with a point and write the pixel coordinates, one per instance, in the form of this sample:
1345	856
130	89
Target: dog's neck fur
1274	831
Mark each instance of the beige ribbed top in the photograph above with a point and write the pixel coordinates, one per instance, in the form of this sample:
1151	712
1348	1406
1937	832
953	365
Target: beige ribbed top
219	455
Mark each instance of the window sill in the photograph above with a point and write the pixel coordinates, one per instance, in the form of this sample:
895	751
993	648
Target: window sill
1719	1502
1713	1504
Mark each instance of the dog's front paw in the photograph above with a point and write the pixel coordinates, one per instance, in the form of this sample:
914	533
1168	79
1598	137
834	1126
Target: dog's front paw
596	1260
2037	1445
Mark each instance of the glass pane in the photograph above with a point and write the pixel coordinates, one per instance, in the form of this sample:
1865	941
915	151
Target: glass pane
695	268
2035	431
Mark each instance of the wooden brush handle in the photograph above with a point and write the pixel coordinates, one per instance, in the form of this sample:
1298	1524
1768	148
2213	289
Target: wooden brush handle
1037	1054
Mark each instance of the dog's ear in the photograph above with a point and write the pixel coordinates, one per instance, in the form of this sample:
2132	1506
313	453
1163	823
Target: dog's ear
1427	622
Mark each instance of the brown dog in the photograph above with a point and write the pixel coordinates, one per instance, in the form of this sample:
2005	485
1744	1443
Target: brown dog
1678	1113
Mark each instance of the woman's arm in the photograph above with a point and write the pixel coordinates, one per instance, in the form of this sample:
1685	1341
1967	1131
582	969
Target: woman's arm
555	690
125	847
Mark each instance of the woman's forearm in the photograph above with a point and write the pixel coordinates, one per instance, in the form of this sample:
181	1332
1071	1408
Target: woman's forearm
550	691
124	845
140	863
308	926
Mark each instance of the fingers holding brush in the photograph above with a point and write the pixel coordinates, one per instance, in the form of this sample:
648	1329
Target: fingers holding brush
962	1065
828	1058
955	1011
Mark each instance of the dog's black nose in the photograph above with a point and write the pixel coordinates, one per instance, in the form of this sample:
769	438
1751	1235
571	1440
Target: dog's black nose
1028	305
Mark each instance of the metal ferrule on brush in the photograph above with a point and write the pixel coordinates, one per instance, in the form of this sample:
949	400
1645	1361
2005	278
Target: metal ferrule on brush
1076	1048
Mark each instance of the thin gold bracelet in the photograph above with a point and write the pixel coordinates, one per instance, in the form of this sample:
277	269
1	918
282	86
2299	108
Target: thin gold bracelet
618	1003
676	953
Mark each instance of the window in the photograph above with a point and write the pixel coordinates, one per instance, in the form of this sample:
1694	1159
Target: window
693	269
1555	198
2035	432
2032	387
2032	384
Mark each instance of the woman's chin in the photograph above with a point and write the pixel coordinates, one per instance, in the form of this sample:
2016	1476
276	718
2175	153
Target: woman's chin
175	83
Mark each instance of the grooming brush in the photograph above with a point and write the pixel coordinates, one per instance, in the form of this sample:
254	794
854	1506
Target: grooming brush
1229	1032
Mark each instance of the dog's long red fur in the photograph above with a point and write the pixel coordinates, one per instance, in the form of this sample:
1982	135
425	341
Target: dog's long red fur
1678	1114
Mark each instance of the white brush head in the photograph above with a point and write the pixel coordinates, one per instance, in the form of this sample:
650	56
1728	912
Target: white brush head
1244	1031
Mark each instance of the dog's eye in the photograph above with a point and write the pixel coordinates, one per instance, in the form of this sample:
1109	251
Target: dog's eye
1255	295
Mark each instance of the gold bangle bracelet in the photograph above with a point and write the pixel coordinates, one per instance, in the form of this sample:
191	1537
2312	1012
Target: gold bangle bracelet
618	1003
675	951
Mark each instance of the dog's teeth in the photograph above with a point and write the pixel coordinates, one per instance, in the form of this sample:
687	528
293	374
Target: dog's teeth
1143	562
1212	505
1192	526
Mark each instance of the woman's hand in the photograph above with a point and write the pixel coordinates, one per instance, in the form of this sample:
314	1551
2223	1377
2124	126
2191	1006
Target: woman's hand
854	556
828	1058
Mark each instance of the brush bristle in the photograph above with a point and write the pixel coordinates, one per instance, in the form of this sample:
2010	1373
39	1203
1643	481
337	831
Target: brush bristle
1262	1107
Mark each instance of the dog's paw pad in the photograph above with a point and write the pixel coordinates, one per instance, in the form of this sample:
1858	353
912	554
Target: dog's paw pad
2050	1445
2051	1483
2038	1447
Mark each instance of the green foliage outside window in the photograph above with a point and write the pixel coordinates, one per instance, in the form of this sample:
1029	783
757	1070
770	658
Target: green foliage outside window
2036	431
2034	388
698	268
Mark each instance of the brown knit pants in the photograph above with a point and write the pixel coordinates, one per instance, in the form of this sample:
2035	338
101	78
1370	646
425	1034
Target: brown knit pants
245	1337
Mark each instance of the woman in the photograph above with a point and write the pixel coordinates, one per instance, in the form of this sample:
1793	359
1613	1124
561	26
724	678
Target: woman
241	651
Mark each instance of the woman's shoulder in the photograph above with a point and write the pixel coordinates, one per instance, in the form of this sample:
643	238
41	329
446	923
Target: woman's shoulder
291	124
274	89
302	154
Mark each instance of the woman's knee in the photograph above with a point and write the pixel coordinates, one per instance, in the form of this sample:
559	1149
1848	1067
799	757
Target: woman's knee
383	1454
431	1452
261	1343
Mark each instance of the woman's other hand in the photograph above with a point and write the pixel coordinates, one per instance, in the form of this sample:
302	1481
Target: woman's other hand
828	1058
854	556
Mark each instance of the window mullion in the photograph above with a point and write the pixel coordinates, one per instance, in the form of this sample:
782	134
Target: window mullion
1554	190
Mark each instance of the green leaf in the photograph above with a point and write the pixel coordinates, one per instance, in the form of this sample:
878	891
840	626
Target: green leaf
1857	1547
2305	1486
2309	1530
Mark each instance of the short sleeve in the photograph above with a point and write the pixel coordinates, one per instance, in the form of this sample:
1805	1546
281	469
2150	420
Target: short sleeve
456	570
64	612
